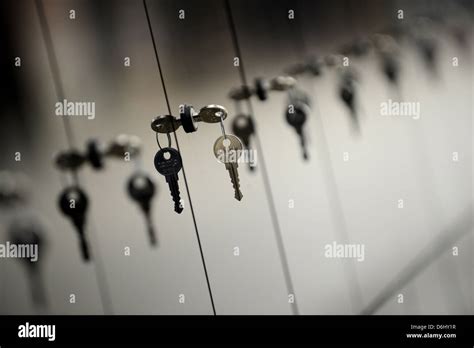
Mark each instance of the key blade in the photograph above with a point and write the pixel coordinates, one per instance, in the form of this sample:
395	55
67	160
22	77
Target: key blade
234	178
304	148
238	195
84	246
151	232
172	181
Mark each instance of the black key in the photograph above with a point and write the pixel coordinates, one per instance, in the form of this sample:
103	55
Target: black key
168	162
427	48
73	203
347	94
95	154
390	68
30	232
296	117
141	189
186	116
260	89
243	127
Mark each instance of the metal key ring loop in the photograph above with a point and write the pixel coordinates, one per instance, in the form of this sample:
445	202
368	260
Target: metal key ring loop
158	140
223	128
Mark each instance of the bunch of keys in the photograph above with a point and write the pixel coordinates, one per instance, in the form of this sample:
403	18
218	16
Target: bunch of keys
73	203
168	160
141	189
188	118
95	153
29	232
262	87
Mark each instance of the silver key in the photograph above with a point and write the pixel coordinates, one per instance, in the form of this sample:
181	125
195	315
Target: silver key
228	150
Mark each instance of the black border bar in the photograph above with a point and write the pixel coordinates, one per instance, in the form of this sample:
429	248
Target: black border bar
289	331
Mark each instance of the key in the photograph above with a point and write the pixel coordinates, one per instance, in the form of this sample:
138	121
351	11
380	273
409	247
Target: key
241	93
70	160
243	127
141	189
347	94
95	154
296	117
228	150
312	66
123	144
212	114
186	116
428	52
282	83
165	124
30	232
390	68
170	167
261	89
359	48
389	52
73	203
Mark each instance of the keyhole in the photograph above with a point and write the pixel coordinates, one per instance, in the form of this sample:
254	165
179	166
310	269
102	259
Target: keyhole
140	182
241	122
167	155
226	142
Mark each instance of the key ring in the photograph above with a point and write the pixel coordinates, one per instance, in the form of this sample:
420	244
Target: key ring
158	140
223	128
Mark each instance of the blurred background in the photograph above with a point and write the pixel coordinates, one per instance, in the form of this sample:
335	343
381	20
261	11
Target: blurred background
348	191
